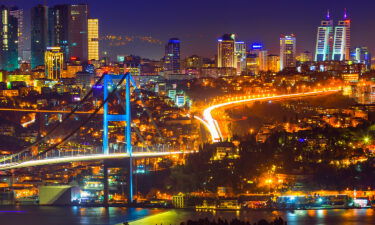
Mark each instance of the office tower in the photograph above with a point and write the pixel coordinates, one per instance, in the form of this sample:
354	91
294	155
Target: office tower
273	63
172	56
54	60
8	40
77	25
324	40
68	28
226	51
287	51
362	55
39	34
252	67
341	44
18	14
240	53
261	54
93	39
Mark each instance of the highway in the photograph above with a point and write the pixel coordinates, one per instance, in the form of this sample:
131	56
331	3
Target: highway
213	127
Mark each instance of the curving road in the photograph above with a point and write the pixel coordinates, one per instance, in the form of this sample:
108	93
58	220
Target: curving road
213	127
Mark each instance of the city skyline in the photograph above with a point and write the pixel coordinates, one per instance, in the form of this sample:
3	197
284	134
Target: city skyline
202	41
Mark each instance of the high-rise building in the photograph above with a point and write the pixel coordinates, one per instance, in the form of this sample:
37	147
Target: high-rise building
324	39
18	14
93	39
54	60
39	34
273	62
362	55
172	56
77	24
240	52
341	44
8	40
257	50
287	51
226	56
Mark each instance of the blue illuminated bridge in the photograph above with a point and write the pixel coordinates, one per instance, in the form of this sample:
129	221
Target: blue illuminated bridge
60	154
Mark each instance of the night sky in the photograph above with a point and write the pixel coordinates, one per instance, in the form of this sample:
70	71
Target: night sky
198	23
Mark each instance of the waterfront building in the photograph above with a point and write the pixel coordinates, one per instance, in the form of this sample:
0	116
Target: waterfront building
93	39
341	44
172	56
226	56
8	40
54	60
287	51
324	39
39	34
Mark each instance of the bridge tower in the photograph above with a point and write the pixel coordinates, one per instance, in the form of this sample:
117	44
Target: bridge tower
109	81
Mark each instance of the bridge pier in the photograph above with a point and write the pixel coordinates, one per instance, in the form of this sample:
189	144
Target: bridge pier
105	185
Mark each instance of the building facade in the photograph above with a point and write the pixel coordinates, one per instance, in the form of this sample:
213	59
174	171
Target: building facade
172	56
93	39
226	56
8	40
287	51
341	44
324	39
54	61
39	34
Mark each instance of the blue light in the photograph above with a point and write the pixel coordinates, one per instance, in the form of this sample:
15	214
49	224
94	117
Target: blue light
256	46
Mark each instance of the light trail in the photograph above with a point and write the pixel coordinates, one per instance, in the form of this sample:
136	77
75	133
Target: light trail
45	111
214	128
82	158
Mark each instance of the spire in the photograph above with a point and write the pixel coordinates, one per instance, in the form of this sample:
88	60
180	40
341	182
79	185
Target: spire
328	16
345	14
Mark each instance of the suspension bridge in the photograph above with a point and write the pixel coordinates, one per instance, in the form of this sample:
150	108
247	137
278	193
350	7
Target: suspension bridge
58	154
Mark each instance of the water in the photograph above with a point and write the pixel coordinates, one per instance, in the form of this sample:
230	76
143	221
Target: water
76	215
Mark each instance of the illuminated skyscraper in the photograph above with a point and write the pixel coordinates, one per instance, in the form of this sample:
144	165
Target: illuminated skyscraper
341	44
54	60
8	40
324	40
287	51
68	28
172	56
362	55
39	34
93	39
18	14
240	52
226	56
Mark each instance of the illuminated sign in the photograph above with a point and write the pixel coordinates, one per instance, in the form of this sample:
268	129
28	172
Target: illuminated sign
256	46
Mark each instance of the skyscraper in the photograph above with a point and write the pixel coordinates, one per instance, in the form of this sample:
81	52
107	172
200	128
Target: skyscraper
341	44
273	62
39	34
77	25
261	54
172	56
362	55
8	40
324	40
287	51
240	52
226	51
54	60
18	14
93	39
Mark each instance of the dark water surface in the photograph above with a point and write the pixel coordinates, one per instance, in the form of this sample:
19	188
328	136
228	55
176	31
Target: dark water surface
31	215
